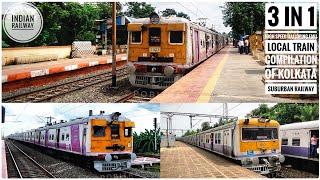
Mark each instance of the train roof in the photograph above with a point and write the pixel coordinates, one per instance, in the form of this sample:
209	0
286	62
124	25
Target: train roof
301	125
172	20
80	121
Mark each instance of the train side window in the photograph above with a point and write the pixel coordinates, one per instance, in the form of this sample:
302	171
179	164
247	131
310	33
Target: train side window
176	37
115	134
99	131
284	141
67	137
136	37
128	132
295	142
154	36
62	137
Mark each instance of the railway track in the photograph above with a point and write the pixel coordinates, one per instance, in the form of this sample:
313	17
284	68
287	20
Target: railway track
47	93
24	165
137	96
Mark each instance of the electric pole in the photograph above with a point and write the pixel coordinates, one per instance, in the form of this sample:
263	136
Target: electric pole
114	42
155	134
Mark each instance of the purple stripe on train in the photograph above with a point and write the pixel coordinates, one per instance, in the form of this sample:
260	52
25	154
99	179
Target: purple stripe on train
295	150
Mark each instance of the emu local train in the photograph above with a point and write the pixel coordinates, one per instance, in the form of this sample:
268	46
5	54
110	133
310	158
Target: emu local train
296	137
163	49
105	140
254	142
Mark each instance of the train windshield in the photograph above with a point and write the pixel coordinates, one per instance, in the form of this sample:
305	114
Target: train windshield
99	131
259	133
154	36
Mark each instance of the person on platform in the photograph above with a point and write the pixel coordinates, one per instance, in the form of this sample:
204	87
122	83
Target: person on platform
246	46
314	146
241	44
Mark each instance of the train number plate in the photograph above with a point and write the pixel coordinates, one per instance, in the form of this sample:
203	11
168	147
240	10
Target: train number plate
154	49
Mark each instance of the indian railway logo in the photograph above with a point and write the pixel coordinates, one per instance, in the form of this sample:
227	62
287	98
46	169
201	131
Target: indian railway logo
22	22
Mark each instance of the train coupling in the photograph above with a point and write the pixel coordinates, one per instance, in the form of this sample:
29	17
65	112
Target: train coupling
263	166
114	162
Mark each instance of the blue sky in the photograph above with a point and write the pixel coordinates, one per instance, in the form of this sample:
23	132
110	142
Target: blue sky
25	116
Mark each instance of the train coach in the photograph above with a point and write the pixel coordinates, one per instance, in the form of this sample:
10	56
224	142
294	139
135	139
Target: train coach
162	49
296	139
104	140
253	141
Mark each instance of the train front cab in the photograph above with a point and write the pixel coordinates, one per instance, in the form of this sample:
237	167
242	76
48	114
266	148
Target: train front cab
112	142
258	146
157	51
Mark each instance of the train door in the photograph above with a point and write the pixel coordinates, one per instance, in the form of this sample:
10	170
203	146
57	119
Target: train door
226	142
84	140
58	138
39	137
212	137
197	48
316	133
207	44
46	138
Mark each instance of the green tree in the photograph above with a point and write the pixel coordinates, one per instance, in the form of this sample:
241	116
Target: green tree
243	17
205	126
181	14
286	113
139	9
168	12
144	142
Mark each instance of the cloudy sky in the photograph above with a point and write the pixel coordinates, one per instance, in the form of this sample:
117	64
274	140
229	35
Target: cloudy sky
25	116
239	110
209	9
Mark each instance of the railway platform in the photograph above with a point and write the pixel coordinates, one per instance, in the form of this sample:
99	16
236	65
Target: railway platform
186	161
227	76
26	71
4	172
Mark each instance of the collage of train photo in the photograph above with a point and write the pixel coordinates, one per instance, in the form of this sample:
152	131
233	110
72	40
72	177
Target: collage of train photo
158	89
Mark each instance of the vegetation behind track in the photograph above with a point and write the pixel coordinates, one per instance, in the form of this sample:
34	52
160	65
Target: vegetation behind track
144	142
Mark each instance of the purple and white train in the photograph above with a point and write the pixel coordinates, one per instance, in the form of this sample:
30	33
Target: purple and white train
296	139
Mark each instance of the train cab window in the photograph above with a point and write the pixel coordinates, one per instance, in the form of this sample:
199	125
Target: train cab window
99	131
136	37
128	132
284	142
154	36
259	133
176	37
295	142
115	132
67	137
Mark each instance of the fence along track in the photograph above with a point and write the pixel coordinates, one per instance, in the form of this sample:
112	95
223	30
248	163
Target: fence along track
26	166
64	88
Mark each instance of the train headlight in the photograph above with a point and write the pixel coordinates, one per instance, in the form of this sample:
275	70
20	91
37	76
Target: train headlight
171	54
281	158
168	71
133	156
131	68
108	157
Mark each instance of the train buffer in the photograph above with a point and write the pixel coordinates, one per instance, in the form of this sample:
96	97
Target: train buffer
26	71
227	76
187	161
142	161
